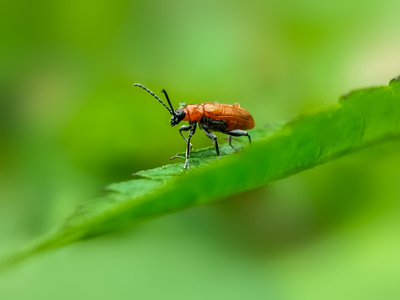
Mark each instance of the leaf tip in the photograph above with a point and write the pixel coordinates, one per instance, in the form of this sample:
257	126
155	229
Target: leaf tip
394	79
344	96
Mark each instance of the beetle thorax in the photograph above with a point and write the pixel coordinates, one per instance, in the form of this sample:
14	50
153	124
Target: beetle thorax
194	112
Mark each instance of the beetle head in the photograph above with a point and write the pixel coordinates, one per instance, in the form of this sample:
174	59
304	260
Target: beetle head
177	117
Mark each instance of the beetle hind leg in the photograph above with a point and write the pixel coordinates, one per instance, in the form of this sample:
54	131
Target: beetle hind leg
230	144
237	132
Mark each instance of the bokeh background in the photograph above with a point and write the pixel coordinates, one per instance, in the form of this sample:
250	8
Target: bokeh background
71	123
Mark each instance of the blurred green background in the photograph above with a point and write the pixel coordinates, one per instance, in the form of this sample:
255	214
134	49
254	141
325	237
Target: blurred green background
71	123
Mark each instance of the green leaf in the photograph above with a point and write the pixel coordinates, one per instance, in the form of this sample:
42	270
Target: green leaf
359	119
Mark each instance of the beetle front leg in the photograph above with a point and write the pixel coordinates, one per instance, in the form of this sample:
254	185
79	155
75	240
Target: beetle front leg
213	137
191	132
185	128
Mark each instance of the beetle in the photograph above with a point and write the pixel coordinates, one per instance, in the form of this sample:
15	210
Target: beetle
211	116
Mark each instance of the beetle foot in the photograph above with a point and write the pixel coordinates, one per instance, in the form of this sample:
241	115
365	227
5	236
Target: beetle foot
236	149
176	156
186	165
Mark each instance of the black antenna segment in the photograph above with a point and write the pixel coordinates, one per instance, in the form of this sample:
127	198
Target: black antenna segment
169	102
171	111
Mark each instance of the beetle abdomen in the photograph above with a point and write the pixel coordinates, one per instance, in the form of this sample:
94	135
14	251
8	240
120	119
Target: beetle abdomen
212	124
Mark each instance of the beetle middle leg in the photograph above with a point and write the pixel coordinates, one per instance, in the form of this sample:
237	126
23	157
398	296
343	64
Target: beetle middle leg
213	137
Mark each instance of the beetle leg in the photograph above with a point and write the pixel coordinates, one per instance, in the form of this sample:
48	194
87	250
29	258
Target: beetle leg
185	128
230	143
237	132
213	137
191	132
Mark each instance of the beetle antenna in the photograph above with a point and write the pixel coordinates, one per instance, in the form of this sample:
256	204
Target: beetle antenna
155	96
169	102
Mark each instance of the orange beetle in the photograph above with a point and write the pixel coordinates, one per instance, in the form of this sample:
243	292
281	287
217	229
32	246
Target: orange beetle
225	118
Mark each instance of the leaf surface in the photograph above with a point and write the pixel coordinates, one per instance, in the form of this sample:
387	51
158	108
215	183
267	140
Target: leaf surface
361	118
